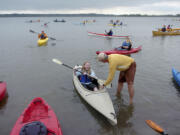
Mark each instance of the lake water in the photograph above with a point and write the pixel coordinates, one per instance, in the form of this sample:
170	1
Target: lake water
29	73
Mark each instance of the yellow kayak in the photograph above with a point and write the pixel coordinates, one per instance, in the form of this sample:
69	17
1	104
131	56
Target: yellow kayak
168	32
42	41
114	25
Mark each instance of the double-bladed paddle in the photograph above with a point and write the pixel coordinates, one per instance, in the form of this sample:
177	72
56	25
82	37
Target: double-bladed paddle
38	33
60	63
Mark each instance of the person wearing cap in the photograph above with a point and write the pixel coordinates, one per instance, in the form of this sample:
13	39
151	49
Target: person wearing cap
127	67
43	35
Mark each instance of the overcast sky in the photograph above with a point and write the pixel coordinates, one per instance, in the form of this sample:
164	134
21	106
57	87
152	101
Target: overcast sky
91	6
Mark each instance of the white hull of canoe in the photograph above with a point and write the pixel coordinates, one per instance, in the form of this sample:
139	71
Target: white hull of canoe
99	100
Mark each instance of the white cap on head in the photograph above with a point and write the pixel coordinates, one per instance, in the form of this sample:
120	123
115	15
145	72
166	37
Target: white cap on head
101	56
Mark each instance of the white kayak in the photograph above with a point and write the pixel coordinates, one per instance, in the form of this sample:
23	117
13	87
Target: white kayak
99	100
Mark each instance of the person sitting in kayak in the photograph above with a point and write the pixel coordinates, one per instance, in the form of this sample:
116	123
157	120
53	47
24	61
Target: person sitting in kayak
110	33
87	81
163	28
169	28
126	45
43	35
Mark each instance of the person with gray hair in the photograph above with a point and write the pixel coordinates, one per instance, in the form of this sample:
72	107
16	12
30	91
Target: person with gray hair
127	67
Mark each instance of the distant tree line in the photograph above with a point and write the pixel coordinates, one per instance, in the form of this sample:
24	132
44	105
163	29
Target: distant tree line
84	15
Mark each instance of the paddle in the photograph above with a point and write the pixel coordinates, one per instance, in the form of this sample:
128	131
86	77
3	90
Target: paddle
60	63
38	33
156	127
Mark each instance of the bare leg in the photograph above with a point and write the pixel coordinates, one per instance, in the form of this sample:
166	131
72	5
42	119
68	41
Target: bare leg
131	92
119	89
95	89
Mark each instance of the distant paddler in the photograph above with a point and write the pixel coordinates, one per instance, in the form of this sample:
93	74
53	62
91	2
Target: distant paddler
42	35
163	28
127	67
110	33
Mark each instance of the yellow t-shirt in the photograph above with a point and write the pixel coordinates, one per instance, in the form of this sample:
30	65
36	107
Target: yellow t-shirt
117	62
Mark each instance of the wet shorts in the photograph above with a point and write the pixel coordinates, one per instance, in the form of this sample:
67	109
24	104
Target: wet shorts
128	75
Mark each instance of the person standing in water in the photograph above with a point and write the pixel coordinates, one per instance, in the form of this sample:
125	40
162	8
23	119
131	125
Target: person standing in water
127	67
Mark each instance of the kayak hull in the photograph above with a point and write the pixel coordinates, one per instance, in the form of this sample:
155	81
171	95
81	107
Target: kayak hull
42	41
133	50
176	76
99	100
2	90
167	33
38	110
104	35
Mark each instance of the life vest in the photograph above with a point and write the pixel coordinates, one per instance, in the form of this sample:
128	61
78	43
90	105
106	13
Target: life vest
85	79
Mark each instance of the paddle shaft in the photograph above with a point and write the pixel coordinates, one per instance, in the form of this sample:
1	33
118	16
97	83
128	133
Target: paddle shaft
38	33
78	71
60	63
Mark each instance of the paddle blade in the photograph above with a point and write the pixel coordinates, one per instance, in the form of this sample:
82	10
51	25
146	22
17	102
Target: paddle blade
32	31
52	38
57	61
155	126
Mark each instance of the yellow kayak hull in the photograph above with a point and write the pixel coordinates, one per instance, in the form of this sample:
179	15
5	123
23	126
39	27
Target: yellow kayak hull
114	25
42	41
170	33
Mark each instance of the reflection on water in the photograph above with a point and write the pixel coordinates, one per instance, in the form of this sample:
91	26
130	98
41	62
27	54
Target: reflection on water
176	86
4	102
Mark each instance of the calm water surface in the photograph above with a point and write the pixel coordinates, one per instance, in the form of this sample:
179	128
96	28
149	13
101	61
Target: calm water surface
29	72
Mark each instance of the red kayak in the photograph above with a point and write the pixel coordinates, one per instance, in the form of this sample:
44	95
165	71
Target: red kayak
37	119
105	35
2	90
133	50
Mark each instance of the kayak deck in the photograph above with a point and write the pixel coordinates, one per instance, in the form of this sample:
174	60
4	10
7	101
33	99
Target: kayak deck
133	50
42	41
35	112
38	111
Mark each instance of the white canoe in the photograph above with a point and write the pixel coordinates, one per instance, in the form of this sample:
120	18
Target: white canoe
99	100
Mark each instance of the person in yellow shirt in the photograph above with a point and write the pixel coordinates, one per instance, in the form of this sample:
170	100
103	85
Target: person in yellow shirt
127	67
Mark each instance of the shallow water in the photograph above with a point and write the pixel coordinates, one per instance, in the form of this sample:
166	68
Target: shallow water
29	72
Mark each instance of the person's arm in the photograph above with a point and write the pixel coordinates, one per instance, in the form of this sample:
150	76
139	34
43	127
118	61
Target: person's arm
45	35
93	74
112	70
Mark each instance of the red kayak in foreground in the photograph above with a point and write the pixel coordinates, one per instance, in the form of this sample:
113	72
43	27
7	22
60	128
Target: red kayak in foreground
104	35
2	90
37	119
133	50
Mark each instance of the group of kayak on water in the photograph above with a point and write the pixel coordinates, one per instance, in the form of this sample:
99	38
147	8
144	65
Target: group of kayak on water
117	22
88	21
56	20
126	45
